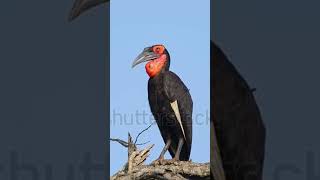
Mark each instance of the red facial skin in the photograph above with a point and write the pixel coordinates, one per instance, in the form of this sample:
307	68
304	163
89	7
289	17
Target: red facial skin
154	67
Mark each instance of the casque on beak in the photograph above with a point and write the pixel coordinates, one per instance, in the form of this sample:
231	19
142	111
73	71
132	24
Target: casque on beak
146	55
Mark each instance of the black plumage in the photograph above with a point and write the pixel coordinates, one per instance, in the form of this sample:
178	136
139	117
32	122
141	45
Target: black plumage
164	89
239	128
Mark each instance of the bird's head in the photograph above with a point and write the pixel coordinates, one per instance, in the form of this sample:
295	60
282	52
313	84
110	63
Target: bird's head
157	57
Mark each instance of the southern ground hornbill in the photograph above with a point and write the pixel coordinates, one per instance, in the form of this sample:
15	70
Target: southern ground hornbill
237	131
170	102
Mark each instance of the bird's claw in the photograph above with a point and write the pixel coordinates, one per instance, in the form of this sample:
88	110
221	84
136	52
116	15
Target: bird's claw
162	161
158	161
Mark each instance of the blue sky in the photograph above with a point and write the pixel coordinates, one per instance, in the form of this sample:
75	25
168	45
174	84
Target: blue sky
183	26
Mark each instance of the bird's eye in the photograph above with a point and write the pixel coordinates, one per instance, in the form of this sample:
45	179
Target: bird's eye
158	49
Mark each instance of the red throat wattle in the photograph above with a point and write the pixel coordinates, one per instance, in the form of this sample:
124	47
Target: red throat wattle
154	67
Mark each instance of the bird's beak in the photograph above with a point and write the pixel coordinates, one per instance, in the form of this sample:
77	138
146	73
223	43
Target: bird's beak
145	56
81	6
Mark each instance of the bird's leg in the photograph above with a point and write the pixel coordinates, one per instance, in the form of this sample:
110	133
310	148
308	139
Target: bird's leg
177	155
164	150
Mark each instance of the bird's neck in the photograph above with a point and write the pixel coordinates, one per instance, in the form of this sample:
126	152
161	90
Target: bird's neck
155	67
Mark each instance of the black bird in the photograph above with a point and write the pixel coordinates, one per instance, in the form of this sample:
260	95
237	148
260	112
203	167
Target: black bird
239	128
81	6
170	102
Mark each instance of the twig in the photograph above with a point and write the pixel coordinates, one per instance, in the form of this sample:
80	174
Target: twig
140	144
143	132
122	142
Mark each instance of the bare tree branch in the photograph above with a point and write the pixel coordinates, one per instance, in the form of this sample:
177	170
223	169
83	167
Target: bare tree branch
135	169
179	170
122	142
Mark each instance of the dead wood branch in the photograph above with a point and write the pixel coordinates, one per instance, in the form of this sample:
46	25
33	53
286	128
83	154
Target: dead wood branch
135	169
179	170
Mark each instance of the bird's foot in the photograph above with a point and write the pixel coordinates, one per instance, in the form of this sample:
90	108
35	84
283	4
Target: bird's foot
162	161
174	161
158	161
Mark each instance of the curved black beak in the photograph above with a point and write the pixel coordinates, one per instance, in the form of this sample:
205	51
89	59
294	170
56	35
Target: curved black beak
146	55
81	6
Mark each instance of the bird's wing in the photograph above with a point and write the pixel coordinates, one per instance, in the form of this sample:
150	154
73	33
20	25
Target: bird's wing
175	107
180	101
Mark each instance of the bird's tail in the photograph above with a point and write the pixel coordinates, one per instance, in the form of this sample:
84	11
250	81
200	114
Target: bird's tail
185	152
